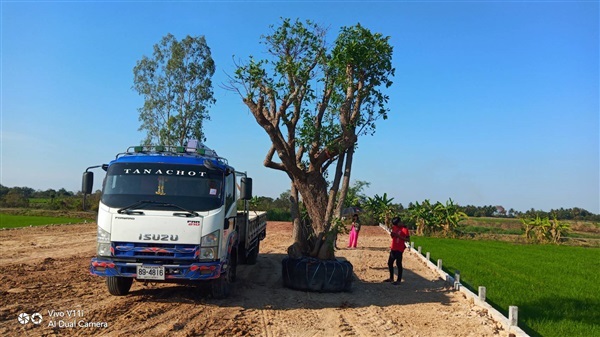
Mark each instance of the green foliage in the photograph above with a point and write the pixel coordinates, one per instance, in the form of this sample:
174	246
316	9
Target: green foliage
555	287
448	216
177	89
355	196
544	230
381	207
360	56
314	102
434	218
574	213
278	214
422	216
14	198
276	210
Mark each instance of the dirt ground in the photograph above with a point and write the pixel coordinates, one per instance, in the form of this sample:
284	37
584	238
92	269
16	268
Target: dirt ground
45	270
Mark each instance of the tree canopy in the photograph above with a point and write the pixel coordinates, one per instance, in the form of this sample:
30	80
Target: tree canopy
314	101
177	89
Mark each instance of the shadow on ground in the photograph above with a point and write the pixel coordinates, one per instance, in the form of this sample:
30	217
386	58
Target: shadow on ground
259	286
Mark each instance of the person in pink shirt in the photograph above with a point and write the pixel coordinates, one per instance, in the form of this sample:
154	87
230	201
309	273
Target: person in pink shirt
353	238
399	235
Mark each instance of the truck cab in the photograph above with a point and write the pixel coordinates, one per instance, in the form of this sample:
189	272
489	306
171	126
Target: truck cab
169	214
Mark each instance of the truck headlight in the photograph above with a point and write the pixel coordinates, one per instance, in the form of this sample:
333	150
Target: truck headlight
103	249
209	245
208	253
103	236
210	240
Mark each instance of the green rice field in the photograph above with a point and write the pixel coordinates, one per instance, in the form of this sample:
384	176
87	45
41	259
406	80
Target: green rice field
14	221
556	288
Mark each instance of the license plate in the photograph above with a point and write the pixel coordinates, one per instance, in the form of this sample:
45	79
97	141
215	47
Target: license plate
151	272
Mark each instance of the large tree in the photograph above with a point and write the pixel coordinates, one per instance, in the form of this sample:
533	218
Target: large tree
177	89
314	101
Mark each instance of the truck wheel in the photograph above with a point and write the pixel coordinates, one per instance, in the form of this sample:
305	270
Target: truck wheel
253	256
119	286
221	287
233	266
241	253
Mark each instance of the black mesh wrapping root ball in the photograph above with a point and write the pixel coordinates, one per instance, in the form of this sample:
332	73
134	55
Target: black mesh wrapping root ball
317	275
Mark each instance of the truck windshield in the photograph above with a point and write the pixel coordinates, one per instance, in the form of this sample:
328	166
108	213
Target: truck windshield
190	187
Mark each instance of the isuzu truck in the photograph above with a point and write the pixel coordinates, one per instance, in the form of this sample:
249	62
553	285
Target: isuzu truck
170	214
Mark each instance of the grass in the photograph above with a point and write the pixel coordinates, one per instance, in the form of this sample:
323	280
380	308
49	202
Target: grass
490	230
14	221
40	200
513	226
557	288
494	221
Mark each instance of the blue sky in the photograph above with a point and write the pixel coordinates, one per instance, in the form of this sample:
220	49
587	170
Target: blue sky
493	103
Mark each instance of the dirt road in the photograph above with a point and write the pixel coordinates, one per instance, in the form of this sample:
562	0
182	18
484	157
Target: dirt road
45	270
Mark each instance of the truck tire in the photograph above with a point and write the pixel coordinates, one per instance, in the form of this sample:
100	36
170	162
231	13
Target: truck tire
317	275
221	287
233	265
119	286
253	256
241	253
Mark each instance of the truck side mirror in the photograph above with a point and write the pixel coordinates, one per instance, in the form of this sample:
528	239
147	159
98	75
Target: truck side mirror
87	182
229	223
246	188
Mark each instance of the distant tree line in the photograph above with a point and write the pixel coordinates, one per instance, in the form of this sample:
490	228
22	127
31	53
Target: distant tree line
26	197
574	213
375	209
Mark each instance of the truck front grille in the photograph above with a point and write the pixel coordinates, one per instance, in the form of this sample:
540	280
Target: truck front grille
141	250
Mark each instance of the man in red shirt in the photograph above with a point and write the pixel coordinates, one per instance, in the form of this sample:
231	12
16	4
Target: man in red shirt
399	235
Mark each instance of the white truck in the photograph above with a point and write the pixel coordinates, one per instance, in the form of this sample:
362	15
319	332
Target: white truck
169	214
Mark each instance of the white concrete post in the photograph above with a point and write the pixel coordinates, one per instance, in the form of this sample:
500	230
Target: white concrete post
427	256
482	293
412	245
440	264
419	250
457	280
513	315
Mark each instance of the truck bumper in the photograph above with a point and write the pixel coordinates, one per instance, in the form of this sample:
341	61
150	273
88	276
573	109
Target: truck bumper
173	272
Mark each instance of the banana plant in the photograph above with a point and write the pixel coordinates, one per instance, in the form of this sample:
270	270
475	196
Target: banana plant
544	230
557	230
431	218
422	215
529	226
449	216
381	207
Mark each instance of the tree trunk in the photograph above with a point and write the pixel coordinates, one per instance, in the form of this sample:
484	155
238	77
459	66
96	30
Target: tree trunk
345	182
314	196
333	191
300	233
326	251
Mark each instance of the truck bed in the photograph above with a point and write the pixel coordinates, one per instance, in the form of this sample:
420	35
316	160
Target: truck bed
256	229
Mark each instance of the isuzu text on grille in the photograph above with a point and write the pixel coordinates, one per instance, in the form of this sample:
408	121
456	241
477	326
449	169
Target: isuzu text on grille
158	237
